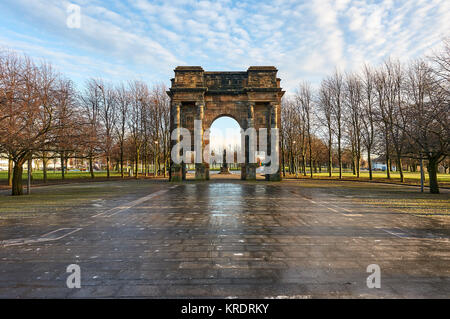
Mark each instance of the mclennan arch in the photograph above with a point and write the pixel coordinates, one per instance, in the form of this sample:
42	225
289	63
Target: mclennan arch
252	98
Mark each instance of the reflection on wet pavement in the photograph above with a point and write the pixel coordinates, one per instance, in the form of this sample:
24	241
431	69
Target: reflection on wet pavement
234	239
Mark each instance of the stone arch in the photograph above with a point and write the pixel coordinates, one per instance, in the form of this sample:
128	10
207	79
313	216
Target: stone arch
240	121
232	154
252	98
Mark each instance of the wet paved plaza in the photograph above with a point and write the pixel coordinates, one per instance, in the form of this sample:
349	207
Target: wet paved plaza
222	239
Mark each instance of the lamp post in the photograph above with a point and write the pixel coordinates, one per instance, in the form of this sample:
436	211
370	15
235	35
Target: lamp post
30	163
295	159
154	161
422	174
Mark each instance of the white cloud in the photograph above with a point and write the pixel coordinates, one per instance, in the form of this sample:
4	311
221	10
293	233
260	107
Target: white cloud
306	40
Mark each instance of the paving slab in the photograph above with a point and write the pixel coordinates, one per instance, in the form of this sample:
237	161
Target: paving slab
223	238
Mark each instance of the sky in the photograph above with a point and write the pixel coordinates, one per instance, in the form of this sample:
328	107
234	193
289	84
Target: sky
146	40
225	133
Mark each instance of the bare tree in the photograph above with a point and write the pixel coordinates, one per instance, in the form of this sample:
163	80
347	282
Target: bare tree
136	120
304	98
123	104
392	108
108	117
367	114
161	134
441	61
425	118
293	134
353	99
326	114
67	126
90	101
381	115
27	120
336	89
9	87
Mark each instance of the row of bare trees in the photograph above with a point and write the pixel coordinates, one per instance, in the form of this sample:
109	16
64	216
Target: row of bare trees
399	112
43	116
396	111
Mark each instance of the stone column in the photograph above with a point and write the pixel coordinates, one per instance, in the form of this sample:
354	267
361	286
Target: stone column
176	174
273	112
200	168
250	168
183	164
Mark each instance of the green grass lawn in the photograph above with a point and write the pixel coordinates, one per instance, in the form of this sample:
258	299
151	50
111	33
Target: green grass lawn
46	201
394	175
391	197
410	178
51	175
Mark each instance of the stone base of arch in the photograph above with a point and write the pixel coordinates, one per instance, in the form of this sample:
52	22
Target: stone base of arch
250	172
276	177
176	173
201	172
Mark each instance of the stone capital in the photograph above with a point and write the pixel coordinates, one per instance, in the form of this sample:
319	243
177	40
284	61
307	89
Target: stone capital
251	110
199	103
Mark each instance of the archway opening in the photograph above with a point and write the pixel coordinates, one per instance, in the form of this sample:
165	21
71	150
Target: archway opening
225	144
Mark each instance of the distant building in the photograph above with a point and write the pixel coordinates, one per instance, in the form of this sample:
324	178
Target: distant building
3	164
379	164
36	164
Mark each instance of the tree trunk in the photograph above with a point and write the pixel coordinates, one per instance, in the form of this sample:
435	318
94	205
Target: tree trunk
17	188
164	159
400	168
432	174
10	172
137	165
108	160
304	165
358	165
330	159
145	165
353	165
165	166
388	168
310	157
29	174
353	159
157	165
291	167
30	162
339	150
388	160
121	165
62	165
44	166
369	159
91	167
358	156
